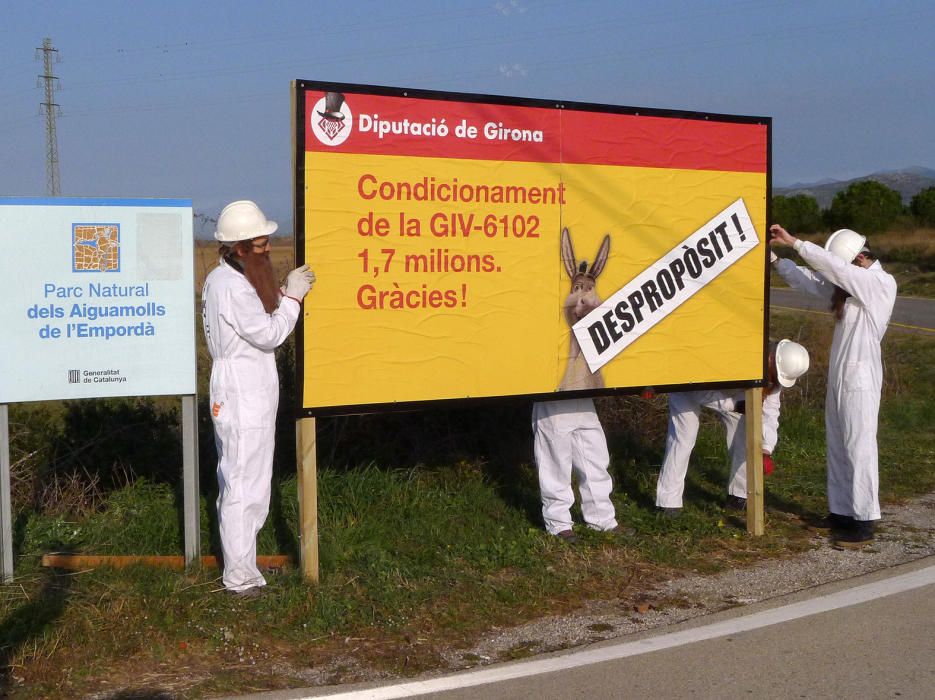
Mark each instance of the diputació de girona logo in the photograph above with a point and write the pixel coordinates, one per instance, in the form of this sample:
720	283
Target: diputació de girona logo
331	119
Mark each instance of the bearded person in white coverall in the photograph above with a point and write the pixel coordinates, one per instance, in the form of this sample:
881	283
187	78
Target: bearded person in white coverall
787	361
862	296
246	317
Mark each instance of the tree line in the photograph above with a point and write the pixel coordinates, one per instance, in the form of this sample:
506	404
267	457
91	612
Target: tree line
868	207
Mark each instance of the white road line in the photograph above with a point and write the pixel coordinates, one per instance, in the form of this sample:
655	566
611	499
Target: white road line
745	623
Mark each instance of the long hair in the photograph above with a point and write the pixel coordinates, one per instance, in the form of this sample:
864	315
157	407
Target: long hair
838	299
257	268
772	378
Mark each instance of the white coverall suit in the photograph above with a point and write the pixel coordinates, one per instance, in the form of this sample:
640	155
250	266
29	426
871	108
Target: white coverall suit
855	373
684	419
244	395
568	435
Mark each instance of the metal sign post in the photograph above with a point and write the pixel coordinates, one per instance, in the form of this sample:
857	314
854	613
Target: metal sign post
6	510
190	495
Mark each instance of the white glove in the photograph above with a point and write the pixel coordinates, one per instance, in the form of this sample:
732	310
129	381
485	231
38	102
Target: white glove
299	282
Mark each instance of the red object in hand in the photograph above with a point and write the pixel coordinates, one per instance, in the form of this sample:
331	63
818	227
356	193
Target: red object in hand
767	464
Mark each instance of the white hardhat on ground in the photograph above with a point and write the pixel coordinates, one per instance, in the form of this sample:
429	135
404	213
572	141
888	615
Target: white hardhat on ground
791	362
241	221
845	244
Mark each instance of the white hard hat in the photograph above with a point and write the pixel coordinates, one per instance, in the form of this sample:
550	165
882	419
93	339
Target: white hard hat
845	244
791	362
241	221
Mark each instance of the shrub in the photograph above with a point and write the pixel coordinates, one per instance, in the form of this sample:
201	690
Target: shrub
922	206
867	207
799	213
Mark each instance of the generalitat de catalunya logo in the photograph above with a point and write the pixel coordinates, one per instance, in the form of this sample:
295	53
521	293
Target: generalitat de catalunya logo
332	121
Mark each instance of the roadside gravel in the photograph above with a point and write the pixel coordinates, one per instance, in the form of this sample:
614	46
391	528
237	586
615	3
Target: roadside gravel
906	533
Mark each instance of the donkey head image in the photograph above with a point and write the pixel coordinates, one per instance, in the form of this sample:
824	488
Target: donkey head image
581	300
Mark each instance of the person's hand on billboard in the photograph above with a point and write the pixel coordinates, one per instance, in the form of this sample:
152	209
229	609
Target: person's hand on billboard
299	282
779	236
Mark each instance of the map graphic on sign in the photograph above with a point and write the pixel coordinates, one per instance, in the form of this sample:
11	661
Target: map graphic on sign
96	247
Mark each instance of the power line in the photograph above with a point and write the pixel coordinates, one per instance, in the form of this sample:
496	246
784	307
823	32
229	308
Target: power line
51	108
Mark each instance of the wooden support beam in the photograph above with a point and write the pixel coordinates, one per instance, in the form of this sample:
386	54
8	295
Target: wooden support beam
754	424
77	562
307	457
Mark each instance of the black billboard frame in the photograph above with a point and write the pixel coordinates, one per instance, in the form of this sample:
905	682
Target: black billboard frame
298	90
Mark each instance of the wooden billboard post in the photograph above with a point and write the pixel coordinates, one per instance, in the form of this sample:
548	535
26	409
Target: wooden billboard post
307	457
754	422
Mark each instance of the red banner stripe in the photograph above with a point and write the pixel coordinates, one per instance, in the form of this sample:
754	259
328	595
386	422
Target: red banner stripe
403	126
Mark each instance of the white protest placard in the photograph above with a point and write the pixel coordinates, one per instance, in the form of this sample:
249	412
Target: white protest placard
665	285
98	298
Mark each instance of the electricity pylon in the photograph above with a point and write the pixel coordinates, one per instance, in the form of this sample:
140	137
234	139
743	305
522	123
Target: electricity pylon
49	56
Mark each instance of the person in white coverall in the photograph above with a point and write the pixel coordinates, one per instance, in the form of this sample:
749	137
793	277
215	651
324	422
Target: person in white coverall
246	317
787	362
568	437
862	296
567	434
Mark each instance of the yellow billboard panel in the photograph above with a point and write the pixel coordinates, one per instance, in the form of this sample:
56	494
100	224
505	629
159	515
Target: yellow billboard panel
467	249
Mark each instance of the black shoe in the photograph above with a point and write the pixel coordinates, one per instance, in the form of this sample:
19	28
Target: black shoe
621	531
833	522
567	536
855	537
736	503
668	513
249	593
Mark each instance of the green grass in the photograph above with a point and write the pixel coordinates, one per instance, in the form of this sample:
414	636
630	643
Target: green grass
417	556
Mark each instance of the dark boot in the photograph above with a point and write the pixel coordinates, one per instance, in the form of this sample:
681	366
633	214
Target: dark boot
736	504
832	523
855	537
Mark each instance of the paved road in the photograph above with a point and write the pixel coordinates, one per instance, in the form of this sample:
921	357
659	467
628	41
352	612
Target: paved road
868	637
910	313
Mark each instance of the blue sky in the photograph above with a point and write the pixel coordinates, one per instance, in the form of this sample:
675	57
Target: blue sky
191	99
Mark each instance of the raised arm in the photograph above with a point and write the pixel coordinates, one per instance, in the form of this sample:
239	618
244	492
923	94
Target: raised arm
796	276
858	281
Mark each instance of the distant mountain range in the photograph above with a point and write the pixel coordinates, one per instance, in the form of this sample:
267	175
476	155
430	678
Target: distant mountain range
908	182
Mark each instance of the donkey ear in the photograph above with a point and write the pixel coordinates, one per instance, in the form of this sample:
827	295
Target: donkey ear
568	254
601	258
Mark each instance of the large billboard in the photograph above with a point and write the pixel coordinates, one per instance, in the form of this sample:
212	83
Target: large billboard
474	246
97	298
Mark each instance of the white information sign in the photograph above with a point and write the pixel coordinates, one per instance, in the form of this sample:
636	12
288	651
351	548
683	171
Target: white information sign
98	298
